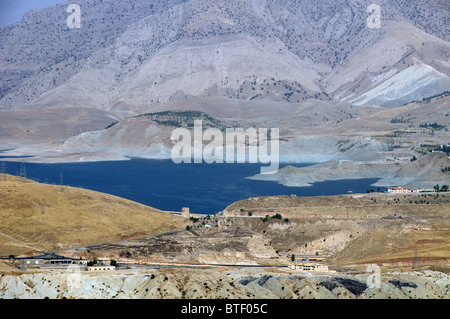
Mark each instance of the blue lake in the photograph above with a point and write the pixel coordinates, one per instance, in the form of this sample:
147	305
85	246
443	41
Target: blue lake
204	188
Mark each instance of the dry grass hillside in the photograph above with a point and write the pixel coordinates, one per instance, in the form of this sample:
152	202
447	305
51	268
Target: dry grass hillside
36	216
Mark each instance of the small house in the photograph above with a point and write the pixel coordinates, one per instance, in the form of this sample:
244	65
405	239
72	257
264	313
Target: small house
100	268
398	190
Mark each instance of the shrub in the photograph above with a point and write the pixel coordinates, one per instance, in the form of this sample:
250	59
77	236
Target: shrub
277	216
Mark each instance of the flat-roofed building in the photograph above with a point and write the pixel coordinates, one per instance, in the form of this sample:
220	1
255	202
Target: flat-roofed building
46	258
309	267
398	190
100	268
47	261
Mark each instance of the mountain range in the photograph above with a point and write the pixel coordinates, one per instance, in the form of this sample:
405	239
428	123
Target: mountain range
315	69
138	54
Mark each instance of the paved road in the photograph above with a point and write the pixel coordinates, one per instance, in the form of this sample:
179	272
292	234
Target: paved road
420	139
440	132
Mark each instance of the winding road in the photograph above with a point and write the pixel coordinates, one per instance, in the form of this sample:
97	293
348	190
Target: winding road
420	139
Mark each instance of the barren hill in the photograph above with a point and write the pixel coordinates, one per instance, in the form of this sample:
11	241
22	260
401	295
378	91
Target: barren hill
36	216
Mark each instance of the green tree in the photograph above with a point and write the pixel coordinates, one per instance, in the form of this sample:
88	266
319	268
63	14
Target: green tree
292	257
277	216
93	262
444	188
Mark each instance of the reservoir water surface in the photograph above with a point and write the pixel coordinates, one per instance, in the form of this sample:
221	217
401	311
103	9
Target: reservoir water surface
204	188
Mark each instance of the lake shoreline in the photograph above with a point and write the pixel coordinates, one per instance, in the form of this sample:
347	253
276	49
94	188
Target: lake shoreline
204	188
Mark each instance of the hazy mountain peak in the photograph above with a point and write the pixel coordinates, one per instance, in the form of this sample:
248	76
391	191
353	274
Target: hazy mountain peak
143	54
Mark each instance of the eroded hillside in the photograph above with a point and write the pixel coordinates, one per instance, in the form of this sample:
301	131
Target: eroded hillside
219	283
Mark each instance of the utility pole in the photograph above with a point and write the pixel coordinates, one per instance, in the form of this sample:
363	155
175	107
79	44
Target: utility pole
23	173
3	170
61	177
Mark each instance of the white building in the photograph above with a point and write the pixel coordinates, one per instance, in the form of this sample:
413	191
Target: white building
309	267
398	190
100	268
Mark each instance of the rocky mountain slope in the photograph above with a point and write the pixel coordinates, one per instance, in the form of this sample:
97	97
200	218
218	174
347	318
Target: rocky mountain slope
139	55
337	88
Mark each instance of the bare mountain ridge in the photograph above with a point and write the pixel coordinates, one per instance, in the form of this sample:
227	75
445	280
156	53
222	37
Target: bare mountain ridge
313	131
41	48
275	50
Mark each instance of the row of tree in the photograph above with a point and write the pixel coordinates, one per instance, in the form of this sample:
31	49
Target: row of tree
96	262
443	189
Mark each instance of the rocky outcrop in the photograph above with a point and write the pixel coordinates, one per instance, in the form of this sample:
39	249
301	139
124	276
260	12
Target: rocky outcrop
214	245
245	283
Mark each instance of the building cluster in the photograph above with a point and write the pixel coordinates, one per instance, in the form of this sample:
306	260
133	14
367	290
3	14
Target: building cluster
52	261
406	190
308	263
309	267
